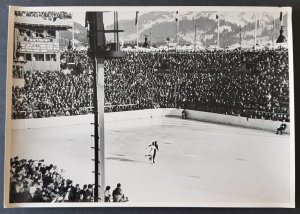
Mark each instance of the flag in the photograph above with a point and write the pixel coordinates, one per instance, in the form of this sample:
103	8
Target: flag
136	17
280	18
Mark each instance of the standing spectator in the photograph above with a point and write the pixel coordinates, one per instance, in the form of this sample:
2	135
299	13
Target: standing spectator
107	194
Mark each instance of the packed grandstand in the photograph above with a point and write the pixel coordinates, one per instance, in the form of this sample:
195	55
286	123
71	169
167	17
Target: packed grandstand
35	181
211	81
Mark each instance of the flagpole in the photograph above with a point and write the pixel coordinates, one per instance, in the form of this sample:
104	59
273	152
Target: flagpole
273	35
195	44
195	39
137	34
241	36
150	36
177	35
73	32
218	39
137	30
255	31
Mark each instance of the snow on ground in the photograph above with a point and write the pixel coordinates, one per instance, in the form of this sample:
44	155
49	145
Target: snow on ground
196	162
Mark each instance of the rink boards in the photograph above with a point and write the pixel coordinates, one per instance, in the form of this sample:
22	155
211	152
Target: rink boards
267	125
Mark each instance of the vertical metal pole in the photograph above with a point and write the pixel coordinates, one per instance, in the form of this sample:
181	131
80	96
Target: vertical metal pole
255	31
195	37
241	37
100	95
96	135
273	34
90	90
150	37
98	86
218	39
73	33
137	32
177	35
115	36
117	28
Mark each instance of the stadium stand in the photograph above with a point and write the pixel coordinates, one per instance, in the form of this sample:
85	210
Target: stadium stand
248	83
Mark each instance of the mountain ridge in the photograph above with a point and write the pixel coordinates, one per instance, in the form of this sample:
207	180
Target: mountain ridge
234	27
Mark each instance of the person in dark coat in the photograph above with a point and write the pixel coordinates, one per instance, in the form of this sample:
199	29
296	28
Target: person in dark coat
118	194
282	128
77	193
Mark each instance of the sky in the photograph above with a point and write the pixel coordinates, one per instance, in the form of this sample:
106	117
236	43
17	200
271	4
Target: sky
130	15
108	17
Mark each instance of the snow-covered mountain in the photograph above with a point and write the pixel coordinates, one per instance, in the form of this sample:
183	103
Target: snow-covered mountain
233	26
158	26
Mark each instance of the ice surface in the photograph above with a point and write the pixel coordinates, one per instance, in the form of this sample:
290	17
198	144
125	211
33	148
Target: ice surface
196	161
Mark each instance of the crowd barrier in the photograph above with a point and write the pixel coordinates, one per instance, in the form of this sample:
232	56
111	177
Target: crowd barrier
267	125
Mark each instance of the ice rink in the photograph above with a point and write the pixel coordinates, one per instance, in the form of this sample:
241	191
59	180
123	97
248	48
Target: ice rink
196	161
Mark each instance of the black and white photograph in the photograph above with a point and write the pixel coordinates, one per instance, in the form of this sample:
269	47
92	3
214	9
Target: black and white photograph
150	106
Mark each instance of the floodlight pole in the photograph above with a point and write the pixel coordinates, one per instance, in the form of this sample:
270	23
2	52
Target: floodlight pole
99	130
99	52
97	44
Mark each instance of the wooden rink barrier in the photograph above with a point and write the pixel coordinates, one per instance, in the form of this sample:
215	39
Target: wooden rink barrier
267	125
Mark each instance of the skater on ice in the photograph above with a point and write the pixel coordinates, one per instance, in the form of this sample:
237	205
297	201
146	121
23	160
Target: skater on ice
151	151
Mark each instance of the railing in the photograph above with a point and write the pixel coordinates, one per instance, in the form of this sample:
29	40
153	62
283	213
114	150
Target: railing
127	107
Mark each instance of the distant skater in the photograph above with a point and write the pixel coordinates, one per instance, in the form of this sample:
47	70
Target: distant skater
151	151
155	150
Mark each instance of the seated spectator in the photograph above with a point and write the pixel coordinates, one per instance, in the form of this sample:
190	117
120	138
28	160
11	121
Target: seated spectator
282	128
118	195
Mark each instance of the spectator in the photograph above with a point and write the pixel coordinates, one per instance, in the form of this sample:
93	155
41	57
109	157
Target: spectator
107	194
282	128
32	181
118	195
204	81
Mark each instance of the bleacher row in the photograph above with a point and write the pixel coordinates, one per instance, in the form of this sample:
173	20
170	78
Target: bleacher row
206	81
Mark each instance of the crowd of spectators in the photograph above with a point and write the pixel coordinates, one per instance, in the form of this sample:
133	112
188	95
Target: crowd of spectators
249	83
45	15
207	81
75	60
50	94
35	181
